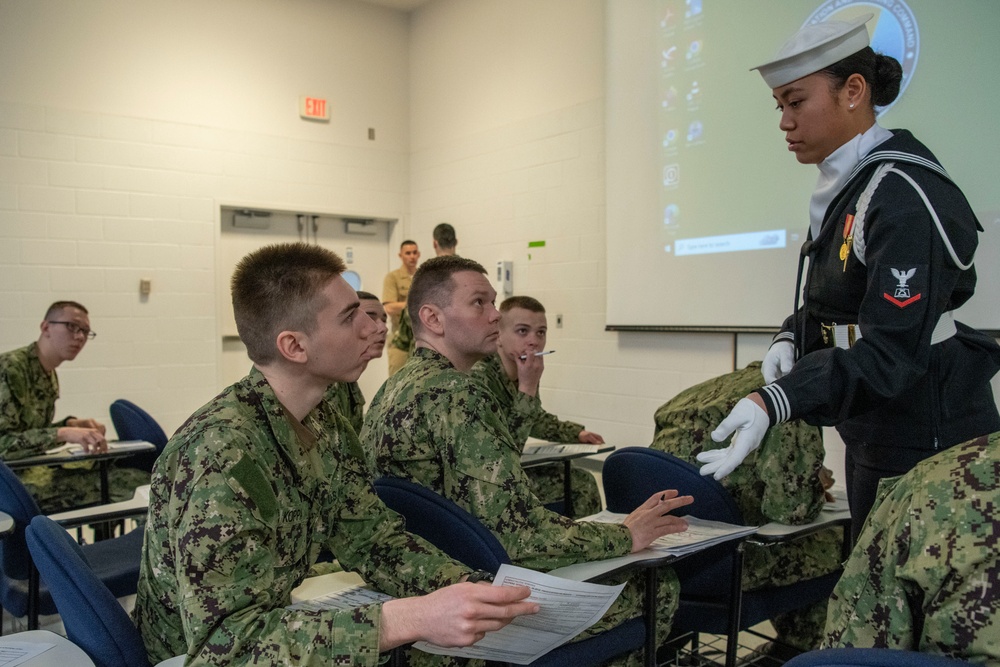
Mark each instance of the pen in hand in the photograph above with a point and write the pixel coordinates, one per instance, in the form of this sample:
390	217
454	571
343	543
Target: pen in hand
537	354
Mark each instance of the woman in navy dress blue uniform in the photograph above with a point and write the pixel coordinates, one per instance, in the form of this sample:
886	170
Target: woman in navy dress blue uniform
874	347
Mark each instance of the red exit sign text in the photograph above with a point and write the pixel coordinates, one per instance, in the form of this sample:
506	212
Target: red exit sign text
314	108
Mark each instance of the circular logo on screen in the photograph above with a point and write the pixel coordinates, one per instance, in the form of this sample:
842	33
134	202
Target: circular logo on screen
893	31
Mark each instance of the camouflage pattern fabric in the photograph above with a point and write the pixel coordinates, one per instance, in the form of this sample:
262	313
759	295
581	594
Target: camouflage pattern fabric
525	417
28	396
925	573
346	399
439	427
243	499
778	482
402	336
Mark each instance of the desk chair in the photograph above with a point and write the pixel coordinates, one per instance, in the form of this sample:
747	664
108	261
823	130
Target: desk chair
712	596
460	535
133	423
93	619
872	657
116	562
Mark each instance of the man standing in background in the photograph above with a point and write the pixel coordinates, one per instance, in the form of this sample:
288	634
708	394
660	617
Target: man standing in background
395	289
402	339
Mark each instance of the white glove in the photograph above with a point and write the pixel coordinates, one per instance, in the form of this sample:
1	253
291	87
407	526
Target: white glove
778	361
750	423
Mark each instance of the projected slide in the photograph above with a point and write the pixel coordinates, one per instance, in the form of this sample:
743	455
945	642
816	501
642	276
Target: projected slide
703	197
694	132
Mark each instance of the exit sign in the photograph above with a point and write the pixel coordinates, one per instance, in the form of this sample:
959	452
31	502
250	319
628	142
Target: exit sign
314	108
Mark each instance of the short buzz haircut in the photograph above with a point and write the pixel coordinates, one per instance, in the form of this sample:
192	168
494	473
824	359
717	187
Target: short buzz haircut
367	296
444	235
280	288
432	283
526	302
58	306
406	242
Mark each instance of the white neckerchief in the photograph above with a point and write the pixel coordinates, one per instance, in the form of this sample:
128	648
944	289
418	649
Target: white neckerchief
835	171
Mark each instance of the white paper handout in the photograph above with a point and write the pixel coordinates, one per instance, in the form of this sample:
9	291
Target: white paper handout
700	534
551	449
567	609
346	598
76	449
14	652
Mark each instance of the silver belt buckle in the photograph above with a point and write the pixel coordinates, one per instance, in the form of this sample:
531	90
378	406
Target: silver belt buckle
843	336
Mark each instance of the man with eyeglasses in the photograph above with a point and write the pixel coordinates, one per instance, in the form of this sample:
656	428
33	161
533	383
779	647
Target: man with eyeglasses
29	388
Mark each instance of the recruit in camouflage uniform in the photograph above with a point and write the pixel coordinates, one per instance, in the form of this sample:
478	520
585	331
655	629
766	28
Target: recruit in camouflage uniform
439	427
243	499
526	417
779	482
28	396
925	573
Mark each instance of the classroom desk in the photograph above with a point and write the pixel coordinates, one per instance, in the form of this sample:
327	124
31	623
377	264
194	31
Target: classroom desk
561	453
62	654
103	462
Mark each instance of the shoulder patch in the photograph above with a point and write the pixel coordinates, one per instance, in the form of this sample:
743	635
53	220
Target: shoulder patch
903	286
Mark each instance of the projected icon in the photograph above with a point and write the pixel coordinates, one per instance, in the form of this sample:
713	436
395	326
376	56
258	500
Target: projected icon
668	19
694	50
694	94
695	130
670	98
693	8
670	138
672	174
671	214
668	54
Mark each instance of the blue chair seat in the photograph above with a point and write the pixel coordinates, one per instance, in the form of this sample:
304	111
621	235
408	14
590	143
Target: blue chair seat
133	423
91	615
711	583
463	537
114	561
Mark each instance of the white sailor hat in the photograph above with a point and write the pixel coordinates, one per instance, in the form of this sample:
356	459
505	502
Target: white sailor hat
814	47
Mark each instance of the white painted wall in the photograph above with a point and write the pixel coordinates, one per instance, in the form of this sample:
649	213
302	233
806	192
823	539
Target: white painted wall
507	100
124	126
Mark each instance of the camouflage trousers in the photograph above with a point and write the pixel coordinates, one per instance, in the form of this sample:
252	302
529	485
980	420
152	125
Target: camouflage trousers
783	564
61	488
547	485
628	605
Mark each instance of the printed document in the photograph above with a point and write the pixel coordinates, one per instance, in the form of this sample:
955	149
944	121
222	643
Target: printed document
701	534
113	446
567	609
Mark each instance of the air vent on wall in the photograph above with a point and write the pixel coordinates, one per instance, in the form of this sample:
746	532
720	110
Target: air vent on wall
249	219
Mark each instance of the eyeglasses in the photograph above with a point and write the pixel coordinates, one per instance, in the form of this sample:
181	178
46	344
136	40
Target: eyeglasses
75	329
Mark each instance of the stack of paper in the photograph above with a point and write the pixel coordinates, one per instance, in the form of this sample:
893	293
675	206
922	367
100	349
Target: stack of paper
567	609
700	535
113	446
347	598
